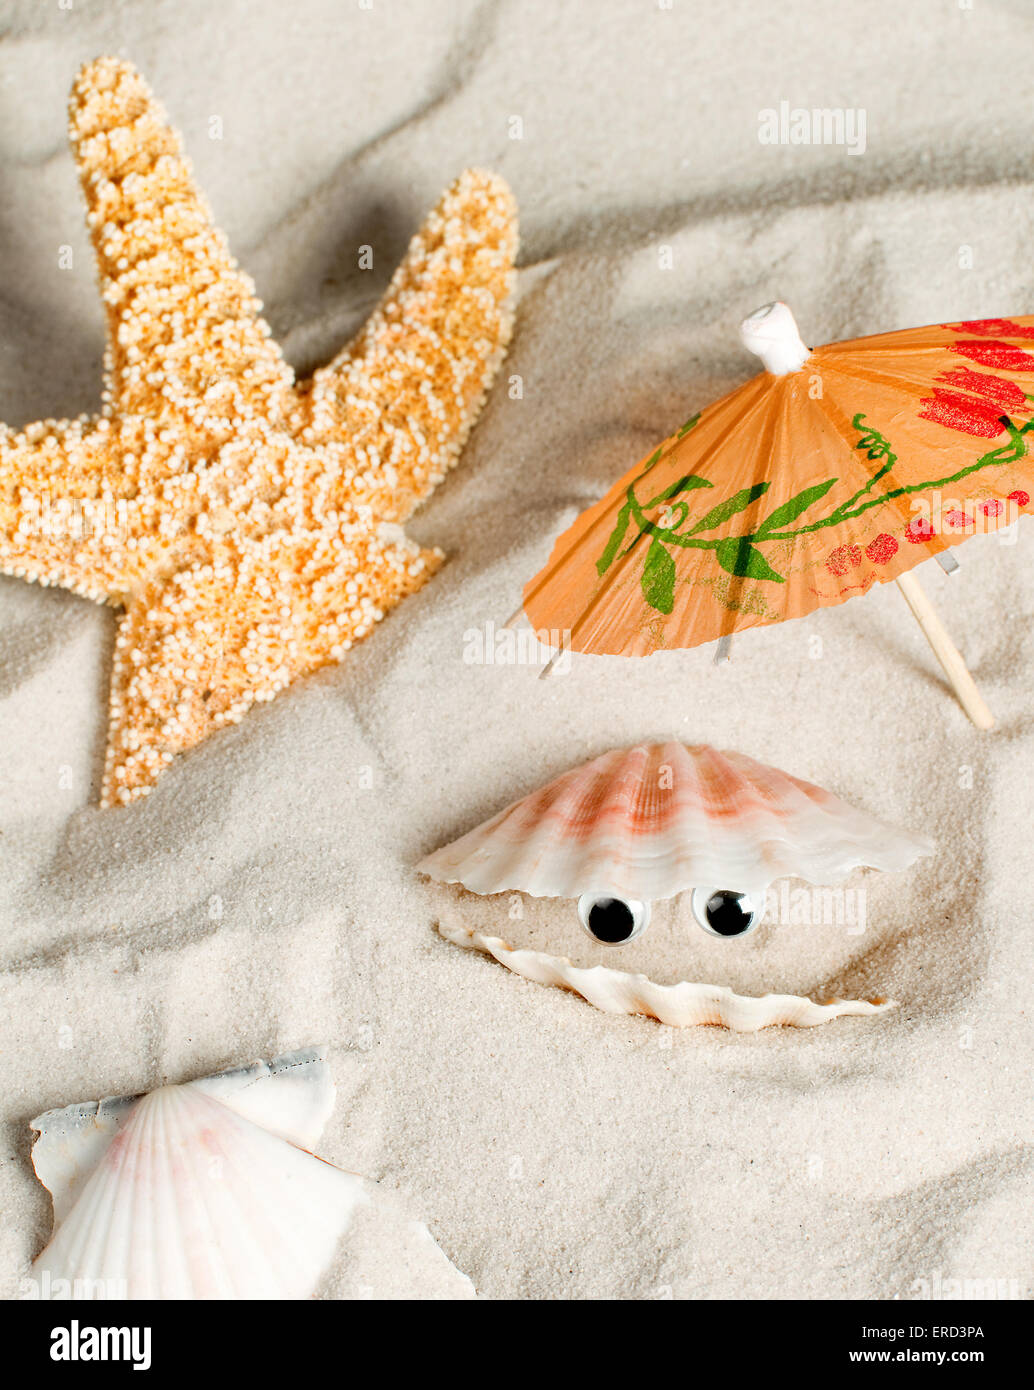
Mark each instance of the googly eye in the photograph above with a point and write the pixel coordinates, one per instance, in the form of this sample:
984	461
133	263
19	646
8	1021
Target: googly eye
612	921
722	912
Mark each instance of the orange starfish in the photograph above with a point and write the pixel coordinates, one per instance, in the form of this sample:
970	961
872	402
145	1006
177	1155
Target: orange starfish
249	527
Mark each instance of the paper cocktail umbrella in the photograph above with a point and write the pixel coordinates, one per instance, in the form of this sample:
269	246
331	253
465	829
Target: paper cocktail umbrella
835	468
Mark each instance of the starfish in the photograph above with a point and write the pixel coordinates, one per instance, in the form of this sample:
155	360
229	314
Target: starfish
248	526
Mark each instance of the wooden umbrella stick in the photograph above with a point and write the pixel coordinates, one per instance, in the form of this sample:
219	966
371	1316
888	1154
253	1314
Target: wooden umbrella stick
946	652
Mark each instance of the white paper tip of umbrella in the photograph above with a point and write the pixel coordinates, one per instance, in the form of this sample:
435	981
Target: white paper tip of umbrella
771	334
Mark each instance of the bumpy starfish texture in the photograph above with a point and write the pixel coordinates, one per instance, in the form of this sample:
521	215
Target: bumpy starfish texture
250	527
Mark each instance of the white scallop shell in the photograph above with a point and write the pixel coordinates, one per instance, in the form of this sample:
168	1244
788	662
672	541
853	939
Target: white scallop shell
680	1005
652	821
203	1190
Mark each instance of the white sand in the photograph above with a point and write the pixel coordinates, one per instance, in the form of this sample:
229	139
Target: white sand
263	898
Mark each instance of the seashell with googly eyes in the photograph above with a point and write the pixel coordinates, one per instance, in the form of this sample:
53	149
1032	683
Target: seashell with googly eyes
640	825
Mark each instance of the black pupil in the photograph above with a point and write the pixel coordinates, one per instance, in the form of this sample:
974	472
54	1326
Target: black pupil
729	914
611	920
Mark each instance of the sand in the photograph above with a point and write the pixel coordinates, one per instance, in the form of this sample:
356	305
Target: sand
264	898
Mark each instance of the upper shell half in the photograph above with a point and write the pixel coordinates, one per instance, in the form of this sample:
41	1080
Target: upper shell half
649	822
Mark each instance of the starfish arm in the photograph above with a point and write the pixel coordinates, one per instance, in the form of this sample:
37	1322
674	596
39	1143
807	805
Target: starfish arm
184	332
401	399
70	514
196	651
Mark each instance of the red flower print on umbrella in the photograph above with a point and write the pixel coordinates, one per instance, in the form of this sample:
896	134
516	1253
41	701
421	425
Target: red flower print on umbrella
998	328
993	353
882	549
919	530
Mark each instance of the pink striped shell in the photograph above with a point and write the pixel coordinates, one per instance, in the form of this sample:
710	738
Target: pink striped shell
649	822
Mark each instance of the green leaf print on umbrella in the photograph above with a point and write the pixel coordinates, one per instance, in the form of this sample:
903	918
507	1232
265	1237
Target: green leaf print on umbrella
658	578
790	511
739	555
738	502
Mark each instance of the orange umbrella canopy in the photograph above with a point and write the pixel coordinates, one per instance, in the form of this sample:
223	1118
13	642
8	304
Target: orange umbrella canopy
833	469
